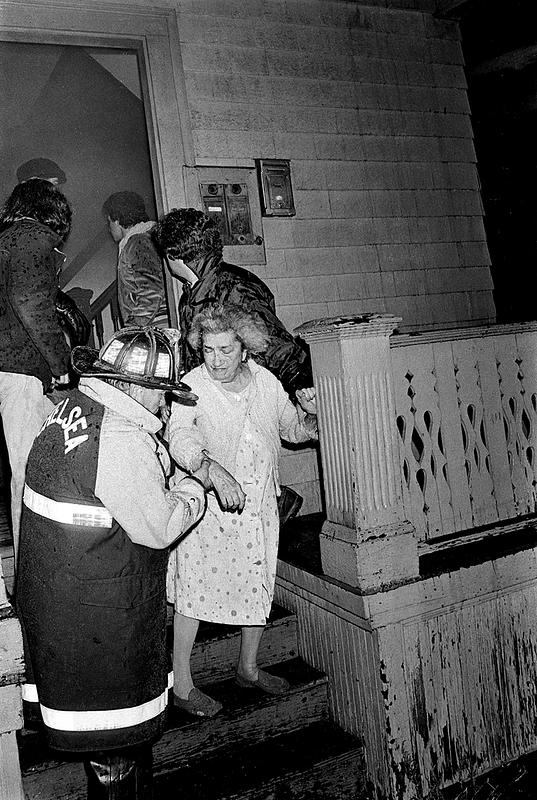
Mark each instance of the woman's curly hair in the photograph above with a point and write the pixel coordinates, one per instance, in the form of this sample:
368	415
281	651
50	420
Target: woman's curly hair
248	327
40	200
187	233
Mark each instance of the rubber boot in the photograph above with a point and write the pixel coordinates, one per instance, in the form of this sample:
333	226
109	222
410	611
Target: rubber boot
126	775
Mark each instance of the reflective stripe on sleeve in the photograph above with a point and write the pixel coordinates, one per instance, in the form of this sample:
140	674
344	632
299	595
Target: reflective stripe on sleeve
68	513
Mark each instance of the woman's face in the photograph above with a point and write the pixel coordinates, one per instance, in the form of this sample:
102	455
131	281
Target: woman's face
222	354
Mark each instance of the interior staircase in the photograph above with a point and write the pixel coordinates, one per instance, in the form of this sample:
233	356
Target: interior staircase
259	748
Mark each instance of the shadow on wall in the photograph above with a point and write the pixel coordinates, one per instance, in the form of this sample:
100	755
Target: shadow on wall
62	104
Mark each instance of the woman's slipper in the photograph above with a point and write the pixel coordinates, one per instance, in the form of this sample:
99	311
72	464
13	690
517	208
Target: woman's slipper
198	704
271	684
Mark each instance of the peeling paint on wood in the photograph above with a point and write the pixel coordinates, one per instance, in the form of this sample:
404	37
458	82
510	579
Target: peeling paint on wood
436	677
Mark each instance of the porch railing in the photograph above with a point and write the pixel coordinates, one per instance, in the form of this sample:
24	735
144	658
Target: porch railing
466	416
426	438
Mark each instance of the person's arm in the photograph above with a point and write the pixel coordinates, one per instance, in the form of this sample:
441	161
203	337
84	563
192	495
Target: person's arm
32	286
140	282
189	450
185	442
297	423
130	484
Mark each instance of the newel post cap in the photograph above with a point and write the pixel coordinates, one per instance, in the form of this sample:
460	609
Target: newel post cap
348	327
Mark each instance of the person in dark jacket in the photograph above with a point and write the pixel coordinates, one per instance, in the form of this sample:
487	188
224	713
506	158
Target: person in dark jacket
34	354
141	291
91	585
192	245
192	237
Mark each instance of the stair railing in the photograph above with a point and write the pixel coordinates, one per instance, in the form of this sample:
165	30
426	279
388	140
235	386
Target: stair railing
105	319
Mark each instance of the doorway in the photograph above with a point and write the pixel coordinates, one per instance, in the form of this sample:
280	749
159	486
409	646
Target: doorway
82	107
113	36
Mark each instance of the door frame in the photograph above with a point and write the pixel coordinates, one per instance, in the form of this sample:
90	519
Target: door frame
154	34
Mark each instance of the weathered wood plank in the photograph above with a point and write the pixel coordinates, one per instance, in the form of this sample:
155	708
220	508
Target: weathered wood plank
247	717
10	708
316	763
349	656
11	653
10	776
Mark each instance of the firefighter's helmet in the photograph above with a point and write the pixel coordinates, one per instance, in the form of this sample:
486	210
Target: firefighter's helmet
144	356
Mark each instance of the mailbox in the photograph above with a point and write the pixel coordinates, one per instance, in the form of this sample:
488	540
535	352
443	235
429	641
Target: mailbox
276	189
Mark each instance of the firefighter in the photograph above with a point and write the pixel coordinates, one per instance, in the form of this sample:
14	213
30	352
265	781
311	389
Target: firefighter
97	524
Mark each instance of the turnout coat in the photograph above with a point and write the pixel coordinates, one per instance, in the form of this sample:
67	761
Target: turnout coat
96	526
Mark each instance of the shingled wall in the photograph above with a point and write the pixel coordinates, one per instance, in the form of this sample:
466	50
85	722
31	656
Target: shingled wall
369	104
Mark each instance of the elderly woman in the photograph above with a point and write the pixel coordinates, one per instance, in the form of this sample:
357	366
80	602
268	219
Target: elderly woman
224	571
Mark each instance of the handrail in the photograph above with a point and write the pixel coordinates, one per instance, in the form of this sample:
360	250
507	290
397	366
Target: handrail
105	302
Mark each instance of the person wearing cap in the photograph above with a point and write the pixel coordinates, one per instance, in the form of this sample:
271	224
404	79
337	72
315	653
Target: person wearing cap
43	168
34	354
140	276
91	585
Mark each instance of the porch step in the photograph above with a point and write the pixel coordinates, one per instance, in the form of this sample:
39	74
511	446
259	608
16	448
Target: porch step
215	654
318	762
259	747
248	715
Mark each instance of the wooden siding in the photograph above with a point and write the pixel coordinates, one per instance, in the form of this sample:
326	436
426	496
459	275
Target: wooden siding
343	645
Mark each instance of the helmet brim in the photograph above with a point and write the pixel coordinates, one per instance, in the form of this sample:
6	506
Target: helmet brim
87	364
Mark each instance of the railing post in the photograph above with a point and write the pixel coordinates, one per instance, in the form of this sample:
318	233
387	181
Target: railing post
11	676
365	542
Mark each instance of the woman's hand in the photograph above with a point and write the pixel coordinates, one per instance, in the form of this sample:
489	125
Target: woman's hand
306	398
228	491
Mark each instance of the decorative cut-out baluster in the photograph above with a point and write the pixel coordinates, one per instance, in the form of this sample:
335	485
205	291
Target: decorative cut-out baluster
467	357
425	489
519	412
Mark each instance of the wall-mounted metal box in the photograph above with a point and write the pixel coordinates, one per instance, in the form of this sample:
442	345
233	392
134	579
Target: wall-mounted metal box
229	205
230	196
276	189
